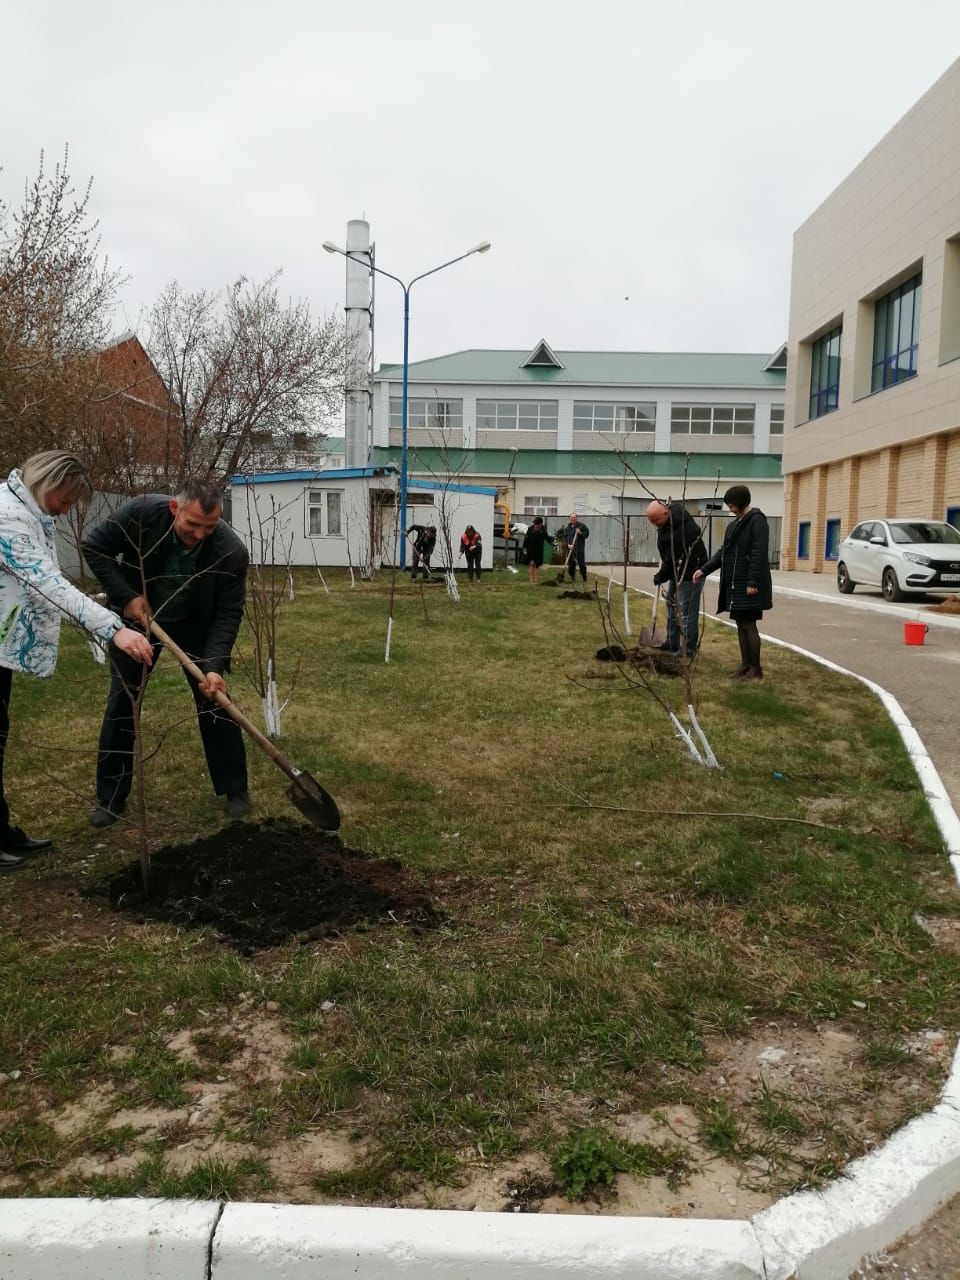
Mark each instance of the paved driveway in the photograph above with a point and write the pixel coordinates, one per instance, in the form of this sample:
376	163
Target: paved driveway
865	634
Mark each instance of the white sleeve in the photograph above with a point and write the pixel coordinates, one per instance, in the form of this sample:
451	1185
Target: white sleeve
32	567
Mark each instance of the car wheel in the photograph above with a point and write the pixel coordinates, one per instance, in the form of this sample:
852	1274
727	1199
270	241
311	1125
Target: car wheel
890	585
845	583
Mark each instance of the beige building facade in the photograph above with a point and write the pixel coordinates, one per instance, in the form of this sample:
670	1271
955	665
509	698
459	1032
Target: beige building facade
873	373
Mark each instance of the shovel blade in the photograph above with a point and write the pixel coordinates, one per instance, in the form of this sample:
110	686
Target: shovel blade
317	805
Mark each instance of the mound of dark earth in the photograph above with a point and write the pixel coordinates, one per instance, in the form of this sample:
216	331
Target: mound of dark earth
262	884
577	595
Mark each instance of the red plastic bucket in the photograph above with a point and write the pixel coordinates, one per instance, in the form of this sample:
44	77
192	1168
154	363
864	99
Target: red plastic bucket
914	632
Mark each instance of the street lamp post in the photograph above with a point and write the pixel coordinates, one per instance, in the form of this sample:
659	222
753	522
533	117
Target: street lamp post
482	247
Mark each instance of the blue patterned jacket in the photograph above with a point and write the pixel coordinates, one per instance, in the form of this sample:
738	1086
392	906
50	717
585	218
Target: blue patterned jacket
34	594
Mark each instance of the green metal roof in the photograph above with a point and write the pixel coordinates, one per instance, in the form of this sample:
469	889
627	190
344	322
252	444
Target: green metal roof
596	368
582	462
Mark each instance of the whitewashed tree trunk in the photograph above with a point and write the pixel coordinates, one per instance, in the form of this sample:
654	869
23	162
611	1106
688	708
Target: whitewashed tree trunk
386	656
627	631
711	760
452	589
272	710
685	737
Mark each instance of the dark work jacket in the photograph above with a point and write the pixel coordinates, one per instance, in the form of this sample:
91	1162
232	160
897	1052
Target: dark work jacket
679	546
140	528
744	561
425	541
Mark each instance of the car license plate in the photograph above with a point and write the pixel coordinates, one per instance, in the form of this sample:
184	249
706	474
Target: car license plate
950	577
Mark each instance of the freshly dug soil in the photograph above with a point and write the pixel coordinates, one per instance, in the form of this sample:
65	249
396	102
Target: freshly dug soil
259	885
577	595
663	664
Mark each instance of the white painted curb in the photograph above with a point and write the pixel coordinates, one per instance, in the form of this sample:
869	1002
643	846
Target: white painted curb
823	1235
256	1241
809	1236
103	1239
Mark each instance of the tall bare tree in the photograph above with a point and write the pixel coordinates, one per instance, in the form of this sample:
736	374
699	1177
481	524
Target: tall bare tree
249	376
56	298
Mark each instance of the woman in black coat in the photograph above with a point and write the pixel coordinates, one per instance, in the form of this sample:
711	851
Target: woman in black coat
746	587
535	543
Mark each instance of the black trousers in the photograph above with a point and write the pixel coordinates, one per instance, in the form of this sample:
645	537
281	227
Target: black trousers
577	559
222	737
6	683
473	555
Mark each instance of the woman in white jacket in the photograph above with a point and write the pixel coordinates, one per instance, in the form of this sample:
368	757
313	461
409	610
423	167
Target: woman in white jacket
34	596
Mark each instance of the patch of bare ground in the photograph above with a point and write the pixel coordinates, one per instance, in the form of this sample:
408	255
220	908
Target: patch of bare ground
295	1163
821	1070
943	931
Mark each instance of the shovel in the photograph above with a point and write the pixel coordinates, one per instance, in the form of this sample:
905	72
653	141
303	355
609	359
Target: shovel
647	635
316	804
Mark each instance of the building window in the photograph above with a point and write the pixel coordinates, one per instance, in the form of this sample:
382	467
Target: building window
533	506
516	415
803	540
953	516
712	419
427	414
325	513
825	373
776	419
832	541
896	335
604	415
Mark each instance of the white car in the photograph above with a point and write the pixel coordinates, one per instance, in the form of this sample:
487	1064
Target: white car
900	557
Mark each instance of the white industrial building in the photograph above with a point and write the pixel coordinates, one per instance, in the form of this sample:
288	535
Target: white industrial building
348	516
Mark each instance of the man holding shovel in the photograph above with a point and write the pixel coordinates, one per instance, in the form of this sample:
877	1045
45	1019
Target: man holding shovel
682	553
176	560
576	535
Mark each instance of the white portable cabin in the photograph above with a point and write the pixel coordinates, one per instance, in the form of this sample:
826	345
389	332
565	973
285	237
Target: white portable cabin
350	517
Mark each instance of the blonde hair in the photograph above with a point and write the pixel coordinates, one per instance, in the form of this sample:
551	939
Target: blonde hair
55	469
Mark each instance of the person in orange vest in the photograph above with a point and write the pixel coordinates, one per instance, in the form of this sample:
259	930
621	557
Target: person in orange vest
471	546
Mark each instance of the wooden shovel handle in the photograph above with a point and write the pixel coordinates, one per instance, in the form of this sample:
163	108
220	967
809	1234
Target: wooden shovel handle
261	739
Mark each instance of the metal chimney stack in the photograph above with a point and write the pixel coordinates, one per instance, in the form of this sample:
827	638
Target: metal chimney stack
359	332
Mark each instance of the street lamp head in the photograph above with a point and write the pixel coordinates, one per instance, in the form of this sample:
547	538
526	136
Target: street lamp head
331	247
482	247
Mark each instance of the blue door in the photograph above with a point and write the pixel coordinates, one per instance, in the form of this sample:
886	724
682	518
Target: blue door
832	545
803	540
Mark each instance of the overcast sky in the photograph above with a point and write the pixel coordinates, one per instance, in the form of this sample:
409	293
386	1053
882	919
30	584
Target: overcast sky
639	165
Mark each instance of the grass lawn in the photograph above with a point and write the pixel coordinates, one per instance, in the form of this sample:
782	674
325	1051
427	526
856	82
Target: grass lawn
622	1010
